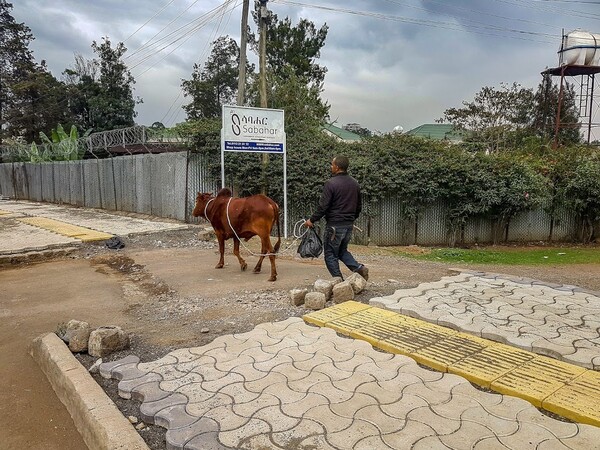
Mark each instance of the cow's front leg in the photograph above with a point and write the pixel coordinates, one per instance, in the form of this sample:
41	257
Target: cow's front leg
221	262
236	252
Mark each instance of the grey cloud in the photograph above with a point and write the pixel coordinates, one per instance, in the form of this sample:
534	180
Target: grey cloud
380	73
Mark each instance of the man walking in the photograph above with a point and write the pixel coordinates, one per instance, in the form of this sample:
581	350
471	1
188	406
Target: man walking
341	205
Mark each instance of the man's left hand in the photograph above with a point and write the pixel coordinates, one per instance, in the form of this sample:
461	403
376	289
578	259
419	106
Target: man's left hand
308	223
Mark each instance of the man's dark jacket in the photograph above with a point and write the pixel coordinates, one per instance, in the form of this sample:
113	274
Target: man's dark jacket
340	202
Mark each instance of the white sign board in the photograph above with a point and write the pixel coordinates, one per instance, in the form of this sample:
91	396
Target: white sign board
253	130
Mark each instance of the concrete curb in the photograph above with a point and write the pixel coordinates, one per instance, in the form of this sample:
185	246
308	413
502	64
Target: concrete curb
96	417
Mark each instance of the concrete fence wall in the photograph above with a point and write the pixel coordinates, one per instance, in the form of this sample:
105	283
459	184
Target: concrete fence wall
165	185
147	184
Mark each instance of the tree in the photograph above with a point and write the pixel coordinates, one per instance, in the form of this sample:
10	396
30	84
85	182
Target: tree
110	101
82	85
302	103
506	118
293	47
493	114
16	60
83	68
216	84
295	80
38	104
362	131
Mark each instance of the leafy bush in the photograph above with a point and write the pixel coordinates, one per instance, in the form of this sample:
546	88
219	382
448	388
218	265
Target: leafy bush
421	172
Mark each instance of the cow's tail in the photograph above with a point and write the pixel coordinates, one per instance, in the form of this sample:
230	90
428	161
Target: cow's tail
278	243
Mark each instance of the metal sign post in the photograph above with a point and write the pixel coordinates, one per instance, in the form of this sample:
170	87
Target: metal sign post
255	130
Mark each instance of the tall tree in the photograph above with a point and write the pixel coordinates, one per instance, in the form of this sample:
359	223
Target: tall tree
16	60
502	118
493	114
39	103
216	83
302	103
113	105
294	78
293	46
82	84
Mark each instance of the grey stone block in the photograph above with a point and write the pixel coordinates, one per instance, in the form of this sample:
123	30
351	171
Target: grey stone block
297	296
357	282
342	292
105	340
315	300
324	287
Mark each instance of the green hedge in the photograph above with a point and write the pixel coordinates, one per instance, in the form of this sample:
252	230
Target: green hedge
422	172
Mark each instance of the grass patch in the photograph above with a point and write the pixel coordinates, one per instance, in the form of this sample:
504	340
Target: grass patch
509	255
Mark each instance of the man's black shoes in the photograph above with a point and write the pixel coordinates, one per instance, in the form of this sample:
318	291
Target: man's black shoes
363	271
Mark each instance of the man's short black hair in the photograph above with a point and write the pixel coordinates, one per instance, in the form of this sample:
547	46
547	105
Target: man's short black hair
342	162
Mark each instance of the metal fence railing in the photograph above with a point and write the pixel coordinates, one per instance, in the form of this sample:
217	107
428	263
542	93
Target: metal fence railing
126	141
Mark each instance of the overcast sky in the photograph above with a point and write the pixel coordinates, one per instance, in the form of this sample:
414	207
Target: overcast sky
390	62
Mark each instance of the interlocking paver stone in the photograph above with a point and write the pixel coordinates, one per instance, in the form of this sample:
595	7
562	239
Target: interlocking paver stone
345	395
532	315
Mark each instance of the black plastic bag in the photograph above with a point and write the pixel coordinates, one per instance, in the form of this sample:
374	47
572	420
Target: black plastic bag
115	243
311	245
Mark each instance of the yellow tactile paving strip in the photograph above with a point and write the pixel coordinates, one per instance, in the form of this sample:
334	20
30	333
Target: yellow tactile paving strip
66	229
565	389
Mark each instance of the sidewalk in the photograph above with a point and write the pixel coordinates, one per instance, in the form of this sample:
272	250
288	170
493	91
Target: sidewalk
559	321
291	385
29	226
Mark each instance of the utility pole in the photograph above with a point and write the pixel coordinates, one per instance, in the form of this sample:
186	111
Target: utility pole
264	12
243	45
262	62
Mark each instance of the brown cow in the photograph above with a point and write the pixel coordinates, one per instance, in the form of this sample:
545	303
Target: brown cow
249	216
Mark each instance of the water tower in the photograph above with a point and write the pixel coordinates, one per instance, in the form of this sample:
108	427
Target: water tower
579	58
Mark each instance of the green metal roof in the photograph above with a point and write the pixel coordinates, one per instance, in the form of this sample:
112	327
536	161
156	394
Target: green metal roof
437	131
342	134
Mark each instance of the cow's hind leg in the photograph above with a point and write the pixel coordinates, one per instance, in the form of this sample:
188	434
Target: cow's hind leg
221	262
263	250
236	252
266	249
273	268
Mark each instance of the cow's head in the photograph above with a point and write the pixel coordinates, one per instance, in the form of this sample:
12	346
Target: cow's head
201	200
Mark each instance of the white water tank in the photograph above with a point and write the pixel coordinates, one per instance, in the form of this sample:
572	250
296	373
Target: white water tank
580	48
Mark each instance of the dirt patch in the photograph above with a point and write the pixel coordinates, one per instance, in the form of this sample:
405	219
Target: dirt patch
163	289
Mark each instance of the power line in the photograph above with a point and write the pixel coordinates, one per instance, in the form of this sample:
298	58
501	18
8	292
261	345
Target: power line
175	114
551	9
490	30
189	29
479	12
574	1
148	21
144	45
